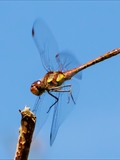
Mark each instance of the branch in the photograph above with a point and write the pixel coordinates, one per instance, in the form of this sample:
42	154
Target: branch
25	134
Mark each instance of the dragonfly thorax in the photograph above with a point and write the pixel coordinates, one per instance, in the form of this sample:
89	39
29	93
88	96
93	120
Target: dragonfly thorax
54	79
49	82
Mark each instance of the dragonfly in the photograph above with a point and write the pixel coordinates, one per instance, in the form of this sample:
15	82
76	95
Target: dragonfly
58	83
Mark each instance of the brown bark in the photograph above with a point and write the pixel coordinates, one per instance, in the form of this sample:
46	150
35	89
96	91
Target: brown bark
25	134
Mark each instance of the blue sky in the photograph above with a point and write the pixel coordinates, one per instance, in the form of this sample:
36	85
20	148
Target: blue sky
88	29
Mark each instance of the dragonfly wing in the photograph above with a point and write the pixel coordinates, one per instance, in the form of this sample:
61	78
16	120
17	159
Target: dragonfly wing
63	108
67	61
40	109
46	43
55	124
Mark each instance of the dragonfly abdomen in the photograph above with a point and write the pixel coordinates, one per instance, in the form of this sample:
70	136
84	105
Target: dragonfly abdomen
71	73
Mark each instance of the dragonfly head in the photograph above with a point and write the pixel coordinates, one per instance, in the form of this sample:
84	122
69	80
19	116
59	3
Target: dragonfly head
37	88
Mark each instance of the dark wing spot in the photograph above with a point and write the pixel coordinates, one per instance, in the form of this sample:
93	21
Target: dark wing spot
32	32
57	55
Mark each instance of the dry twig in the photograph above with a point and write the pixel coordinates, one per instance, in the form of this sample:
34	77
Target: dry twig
25	134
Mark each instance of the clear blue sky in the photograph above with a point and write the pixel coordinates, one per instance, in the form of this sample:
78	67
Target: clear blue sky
88	29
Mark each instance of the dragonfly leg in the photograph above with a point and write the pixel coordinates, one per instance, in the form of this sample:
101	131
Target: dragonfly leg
59	89
70	93
54	102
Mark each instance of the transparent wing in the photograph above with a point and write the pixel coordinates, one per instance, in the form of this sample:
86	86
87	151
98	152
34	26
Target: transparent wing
40	109
63	108
46	44
67	61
